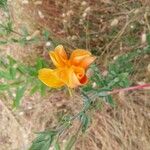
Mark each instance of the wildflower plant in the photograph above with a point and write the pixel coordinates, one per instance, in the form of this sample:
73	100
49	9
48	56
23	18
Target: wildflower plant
71	72
117	77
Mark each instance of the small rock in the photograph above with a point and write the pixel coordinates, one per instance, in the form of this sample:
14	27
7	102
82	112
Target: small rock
69	13
21	113
84	3
148	68
74	37
94	85
87	10
84	14
40	14
28	38
143	38
132	26
48	44
114	22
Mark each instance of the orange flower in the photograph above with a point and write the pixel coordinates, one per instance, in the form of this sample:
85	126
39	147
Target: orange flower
70	72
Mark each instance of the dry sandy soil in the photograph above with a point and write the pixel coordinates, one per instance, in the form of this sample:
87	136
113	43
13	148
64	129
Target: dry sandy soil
126	127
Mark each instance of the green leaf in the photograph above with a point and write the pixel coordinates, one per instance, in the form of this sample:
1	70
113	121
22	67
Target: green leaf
43	141
71	142
3	63
148	39
46	35
9	27
56	146
3	42
110	100
12	61
3	3
4	87
86	120
19	94
5	75
32	71
34	90
42	89
22	69
12	72
24	31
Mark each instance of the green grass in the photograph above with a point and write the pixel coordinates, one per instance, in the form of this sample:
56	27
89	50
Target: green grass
3	4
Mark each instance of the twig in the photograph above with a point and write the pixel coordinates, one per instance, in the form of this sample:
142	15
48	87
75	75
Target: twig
138	87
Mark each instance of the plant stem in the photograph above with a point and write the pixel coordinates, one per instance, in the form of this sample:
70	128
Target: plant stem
70	92
132	88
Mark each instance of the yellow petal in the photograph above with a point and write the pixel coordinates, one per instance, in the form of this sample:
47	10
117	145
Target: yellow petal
68	76
73	76
86	62
79	54
58	56
80	72
61	52
81	58
50	77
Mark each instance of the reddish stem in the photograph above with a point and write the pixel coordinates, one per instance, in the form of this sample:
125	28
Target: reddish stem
138	87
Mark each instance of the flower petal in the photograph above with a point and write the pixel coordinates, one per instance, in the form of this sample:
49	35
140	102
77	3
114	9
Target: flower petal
68	76
86	62
81	58
84	80
80	72
58	56
78	55
50	77
73	76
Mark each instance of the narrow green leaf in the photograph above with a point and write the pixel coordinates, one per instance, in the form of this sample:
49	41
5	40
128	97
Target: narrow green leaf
148	39
43	141
110	100
42	89
71	142
85	121
5	75
12	72
3	42
34	90
56	146
3	3
46	35
4	87
12	61
22	69
19	94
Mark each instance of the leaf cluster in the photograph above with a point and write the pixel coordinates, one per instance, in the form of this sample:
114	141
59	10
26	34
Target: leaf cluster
18	78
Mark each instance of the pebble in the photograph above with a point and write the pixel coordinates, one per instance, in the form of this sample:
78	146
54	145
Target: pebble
84	3
48	44
40	14
148	68
143	38
114	22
